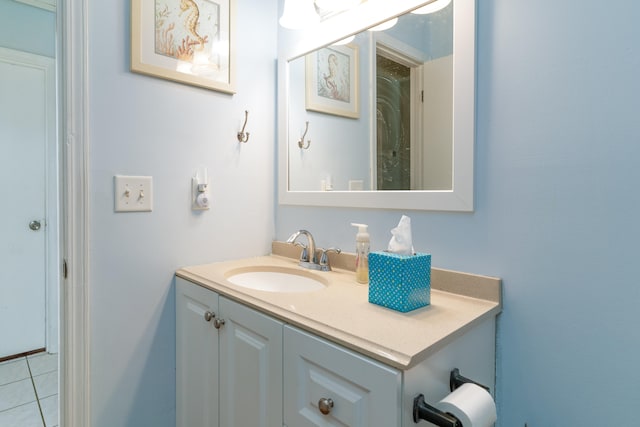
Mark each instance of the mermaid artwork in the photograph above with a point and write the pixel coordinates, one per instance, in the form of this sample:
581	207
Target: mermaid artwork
334	84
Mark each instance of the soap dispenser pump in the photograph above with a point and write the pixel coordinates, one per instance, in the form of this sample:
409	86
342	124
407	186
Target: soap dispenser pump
362	253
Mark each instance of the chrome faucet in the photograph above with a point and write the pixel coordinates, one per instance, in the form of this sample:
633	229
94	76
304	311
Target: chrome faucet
308	256
310	248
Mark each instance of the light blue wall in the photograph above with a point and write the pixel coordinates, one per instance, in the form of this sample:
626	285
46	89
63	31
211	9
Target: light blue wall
557	147
557	205
27	28
142	125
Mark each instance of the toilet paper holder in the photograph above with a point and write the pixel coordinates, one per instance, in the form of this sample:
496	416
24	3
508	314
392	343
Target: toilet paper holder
423	411
456	380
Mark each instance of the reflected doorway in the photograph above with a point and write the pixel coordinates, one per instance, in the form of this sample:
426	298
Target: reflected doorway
414	120
393	124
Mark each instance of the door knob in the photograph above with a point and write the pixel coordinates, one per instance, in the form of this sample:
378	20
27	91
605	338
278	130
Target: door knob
208	316
217	323
35	225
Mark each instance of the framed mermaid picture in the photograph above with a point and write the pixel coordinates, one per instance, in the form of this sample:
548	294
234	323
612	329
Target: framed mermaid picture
187	41
332	83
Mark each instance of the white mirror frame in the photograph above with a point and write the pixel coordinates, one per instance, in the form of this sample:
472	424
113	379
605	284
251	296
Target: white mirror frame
461	197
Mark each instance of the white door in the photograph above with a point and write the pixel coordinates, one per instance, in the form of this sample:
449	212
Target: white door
26	121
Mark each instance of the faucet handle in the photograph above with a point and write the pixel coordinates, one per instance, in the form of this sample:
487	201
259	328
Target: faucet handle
304	255
324	258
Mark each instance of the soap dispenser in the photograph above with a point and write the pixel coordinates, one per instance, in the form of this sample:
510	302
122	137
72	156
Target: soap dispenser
362	253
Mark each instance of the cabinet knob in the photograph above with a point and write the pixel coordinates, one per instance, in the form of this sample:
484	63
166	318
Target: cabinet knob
217	323
325	405
208	316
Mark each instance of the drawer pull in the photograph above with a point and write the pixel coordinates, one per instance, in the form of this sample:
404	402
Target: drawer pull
208	316
325	405
217	323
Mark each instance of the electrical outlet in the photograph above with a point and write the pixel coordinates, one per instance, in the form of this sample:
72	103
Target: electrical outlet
356	185
133	193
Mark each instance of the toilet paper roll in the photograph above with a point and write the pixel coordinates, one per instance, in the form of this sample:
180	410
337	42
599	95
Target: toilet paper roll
471	404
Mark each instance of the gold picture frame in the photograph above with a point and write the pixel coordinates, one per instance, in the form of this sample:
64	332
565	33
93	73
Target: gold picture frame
187	41
331	80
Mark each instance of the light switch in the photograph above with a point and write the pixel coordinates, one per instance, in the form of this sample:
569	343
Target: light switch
133	193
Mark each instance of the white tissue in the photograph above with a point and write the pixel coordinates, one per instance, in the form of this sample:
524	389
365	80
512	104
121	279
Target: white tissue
471	404
401	242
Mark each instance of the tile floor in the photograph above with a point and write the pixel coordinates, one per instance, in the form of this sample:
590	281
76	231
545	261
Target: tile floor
29	391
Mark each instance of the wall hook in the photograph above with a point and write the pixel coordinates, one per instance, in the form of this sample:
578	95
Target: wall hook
242	135
301	140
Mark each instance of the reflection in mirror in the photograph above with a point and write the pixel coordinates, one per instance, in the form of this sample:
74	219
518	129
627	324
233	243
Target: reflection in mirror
380	110
349	152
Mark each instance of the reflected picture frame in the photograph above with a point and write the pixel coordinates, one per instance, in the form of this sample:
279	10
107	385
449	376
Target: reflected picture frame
331	81
186	41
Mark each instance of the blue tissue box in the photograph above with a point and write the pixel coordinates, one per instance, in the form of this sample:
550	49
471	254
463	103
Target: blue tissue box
400	282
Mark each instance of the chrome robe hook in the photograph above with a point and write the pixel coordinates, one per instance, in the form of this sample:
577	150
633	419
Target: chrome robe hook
301	140
242	135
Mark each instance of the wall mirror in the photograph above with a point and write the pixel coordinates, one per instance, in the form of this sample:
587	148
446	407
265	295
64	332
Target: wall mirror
380	119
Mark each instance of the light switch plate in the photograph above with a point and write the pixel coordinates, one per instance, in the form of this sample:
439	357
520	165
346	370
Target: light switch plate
133	193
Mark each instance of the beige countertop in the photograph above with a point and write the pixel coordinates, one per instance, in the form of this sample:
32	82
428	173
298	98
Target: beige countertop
342	314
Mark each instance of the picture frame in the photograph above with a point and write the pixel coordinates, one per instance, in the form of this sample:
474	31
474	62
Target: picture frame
332	81
186	41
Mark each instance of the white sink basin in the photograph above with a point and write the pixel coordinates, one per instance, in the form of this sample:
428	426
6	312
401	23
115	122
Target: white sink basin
276	279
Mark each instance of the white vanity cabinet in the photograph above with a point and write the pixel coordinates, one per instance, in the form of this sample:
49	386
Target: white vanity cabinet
328	385
228	362
327	358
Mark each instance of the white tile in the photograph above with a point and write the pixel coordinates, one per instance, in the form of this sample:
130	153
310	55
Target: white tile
13	370
49	408
16	394
22	416
46	384
42	363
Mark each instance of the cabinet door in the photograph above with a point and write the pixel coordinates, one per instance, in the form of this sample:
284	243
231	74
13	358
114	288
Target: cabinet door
354	390
250	367
196	356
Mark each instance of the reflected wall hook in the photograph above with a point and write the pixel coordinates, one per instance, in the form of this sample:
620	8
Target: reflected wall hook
242	135
301	140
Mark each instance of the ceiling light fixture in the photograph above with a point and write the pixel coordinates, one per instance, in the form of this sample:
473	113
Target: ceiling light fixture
385	25
336	4
299	14
344	41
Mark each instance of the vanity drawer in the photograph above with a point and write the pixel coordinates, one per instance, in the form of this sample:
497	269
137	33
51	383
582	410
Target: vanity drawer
353	389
